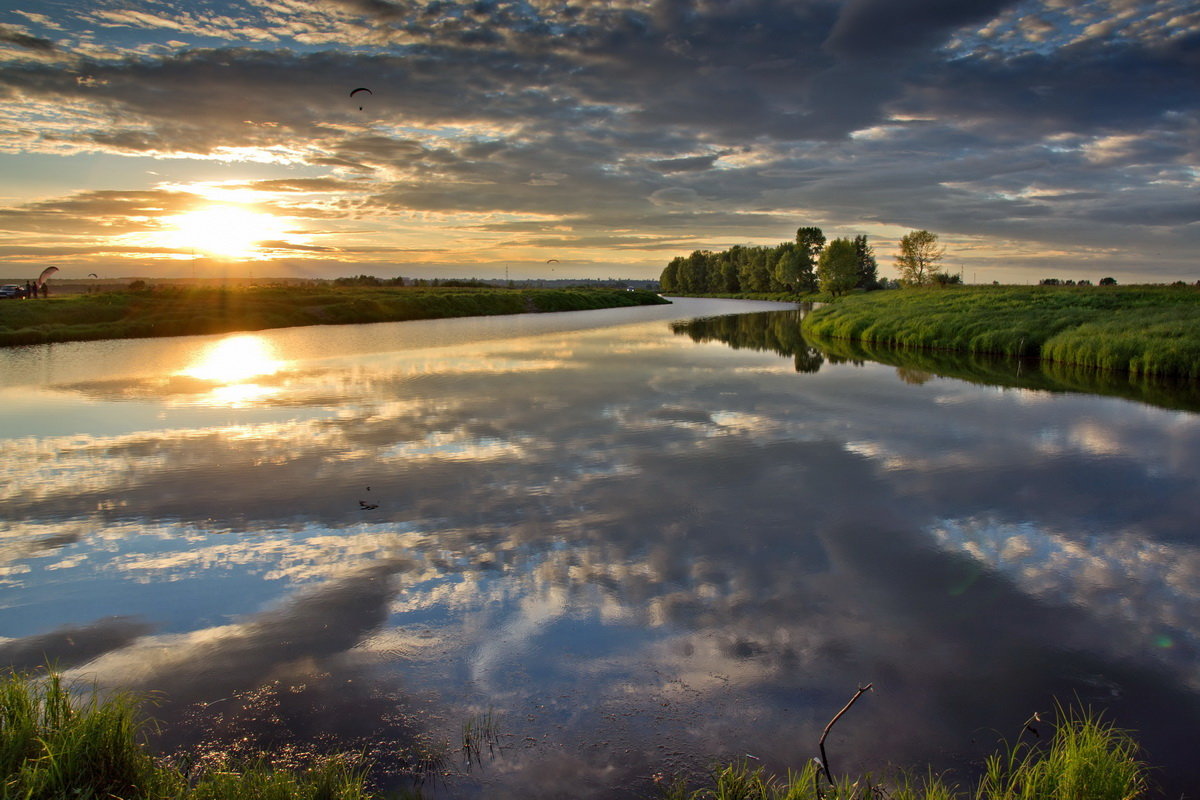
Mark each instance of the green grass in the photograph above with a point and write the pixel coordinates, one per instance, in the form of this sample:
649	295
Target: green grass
1085	759
1144	330
180	311
53	744
56	744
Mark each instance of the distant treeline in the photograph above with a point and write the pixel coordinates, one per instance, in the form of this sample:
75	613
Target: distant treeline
794	267
492	283
371	280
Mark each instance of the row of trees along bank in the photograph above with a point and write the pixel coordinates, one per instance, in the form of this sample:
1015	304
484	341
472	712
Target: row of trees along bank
804	266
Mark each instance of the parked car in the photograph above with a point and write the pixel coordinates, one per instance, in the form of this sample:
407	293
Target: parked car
12	291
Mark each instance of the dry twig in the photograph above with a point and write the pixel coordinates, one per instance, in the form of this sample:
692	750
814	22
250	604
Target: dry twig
825	759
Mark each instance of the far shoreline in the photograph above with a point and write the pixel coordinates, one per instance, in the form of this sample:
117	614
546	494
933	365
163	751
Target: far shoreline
1145	331
163	311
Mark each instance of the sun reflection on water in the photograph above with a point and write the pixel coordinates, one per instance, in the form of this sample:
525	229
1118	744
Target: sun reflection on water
233	363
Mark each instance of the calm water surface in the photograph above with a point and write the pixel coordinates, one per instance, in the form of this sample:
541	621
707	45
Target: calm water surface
602	549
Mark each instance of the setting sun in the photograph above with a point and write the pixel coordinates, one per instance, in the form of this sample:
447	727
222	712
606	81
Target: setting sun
229	231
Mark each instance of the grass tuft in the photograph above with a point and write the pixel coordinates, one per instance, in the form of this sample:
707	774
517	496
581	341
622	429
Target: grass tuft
1085	759
56	744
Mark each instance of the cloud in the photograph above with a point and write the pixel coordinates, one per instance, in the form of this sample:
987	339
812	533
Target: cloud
97	213
580	534
319	624
37	44
71	645
879	28
602	112
685	164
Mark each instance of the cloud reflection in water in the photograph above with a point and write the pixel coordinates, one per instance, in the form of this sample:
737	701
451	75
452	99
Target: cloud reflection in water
631	545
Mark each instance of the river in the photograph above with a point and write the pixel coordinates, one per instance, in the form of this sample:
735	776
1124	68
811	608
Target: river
563	555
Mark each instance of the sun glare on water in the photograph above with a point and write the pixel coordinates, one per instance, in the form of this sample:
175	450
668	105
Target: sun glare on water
227	231
233	364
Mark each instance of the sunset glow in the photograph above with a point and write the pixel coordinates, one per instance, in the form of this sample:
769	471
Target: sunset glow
610	137
226	231
236	359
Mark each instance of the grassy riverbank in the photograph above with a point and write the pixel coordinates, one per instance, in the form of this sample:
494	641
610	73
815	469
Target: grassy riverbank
1144	330
58	745
181	311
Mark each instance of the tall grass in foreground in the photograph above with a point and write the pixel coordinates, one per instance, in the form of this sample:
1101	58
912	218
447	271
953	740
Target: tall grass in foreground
1086	759
55	745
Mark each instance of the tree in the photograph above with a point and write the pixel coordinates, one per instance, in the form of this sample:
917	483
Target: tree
693	273
668	280
788	266
919	255
945	279
810	240
868	269
838	268
1108	281
727	275
753	273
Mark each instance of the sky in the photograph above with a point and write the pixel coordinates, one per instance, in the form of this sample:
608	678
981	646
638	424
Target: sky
579	139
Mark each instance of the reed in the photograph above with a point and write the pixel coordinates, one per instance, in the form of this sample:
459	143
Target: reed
480	731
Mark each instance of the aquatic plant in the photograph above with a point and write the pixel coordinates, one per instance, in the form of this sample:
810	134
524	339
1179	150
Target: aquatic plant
480	731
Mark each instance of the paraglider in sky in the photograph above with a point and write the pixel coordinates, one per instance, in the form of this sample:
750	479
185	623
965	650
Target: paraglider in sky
361	89
93	275
46	273
551	260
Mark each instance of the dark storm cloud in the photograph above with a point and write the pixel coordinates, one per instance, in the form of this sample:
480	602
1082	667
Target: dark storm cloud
1088	87
24	40
879	28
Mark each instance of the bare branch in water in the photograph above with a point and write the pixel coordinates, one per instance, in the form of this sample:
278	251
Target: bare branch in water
825	759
